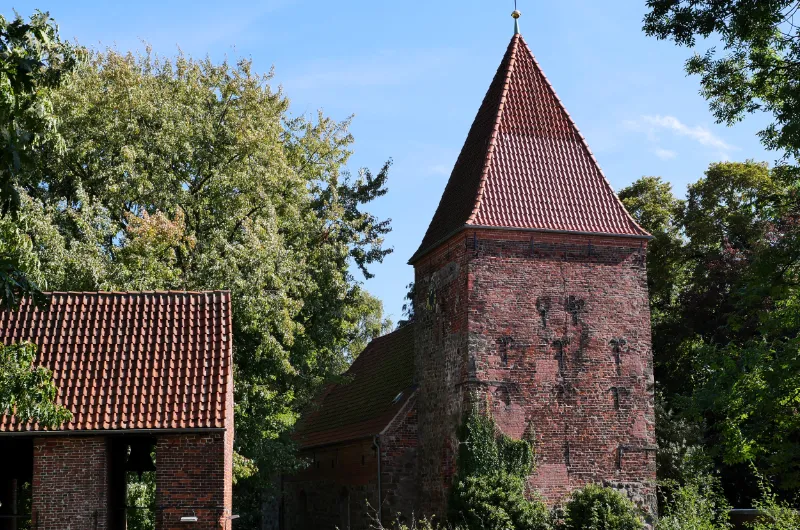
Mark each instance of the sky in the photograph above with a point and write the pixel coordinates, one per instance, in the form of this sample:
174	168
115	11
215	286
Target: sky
413	73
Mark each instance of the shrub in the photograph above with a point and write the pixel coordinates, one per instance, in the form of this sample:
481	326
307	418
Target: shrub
489	491
597	508
484	451
777	514
699	505
496	502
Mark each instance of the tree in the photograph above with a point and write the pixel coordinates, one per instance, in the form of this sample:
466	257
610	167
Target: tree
760	68
190	174
33	61
25	392
725	343
653	205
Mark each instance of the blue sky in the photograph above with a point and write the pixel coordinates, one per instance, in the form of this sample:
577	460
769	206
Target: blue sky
414	73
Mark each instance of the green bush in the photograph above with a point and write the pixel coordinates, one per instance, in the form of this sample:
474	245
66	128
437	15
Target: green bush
496	502
777	514
699	505
484	451
489	491
598	508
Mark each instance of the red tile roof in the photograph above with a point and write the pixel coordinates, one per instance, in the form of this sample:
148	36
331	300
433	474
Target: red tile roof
375	388
157	360
526	165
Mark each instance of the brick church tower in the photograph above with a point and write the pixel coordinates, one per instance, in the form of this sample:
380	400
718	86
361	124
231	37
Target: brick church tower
531	297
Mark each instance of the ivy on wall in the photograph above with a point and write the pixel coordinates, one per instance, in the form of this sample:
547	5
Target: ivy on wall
489	491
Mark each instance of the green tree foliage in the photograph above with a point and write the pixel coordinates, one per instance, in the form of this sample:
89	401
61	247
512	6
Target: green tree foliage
759	69
26	391
190	174
650	200
33	61
140	500
726	348
598	508
490	489
698	504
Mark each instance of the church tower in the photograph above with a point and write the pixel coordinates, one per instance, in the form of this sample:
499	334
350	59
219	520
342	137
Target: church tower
531	297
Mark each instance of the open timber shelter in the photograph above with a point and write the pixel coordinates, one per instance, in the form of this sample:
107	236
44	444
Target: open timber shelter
144	374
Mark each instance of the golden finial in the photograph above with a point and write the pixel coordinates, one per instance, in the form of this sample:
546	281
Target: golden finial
516	14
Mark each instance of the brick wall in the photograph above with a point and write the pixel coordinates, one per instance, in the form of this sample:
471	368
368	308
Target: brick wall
553	332
339	486
333	489
70	483
440	349
399	444
192	478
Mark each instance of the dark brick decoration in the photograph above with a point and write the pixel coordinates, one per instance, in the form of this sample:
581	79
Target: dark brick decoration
530	303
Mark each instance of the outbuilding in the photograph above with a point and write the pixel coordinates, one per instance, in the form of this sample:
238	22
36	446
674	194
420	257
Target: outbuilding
148	378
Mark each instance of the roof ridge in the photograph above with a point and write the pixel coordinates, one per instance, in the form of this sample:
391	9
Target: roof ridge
583	140
383	338
495	128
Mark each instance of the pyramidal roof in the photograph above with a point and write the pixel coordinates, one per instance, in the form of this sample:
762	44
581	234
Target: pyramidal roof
525	165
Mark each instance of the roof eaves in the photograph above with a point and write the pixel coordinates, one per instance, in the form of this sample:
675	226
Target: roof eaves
423	252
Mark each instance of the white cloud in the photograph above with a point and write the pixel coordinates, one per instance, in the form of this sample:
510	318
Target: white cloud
664	154
698	133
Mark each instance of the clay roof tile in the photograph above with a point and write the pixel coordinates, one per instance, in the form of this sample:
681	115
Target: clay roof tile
525	165
114	357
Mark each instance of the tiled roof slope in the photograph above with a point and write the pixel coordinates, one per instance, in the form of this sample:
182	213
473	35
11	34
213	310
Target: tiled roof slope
526	165
376	387
159	360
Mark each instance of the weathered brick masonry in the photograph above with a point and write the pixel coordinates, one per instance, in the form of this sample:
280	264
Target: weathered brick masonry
191	480
70	483
553	332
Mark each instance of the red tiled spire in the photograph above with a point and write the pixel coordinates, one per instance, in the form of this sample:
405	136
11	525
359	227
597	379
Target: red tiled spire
525	165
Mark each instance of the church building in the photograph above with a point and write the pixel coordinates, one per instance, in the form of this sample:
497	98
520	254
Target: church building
530	300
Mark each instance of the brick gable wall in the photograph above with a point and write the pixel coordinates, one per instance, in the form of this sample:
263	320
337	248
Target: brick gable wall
399	466
552	332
